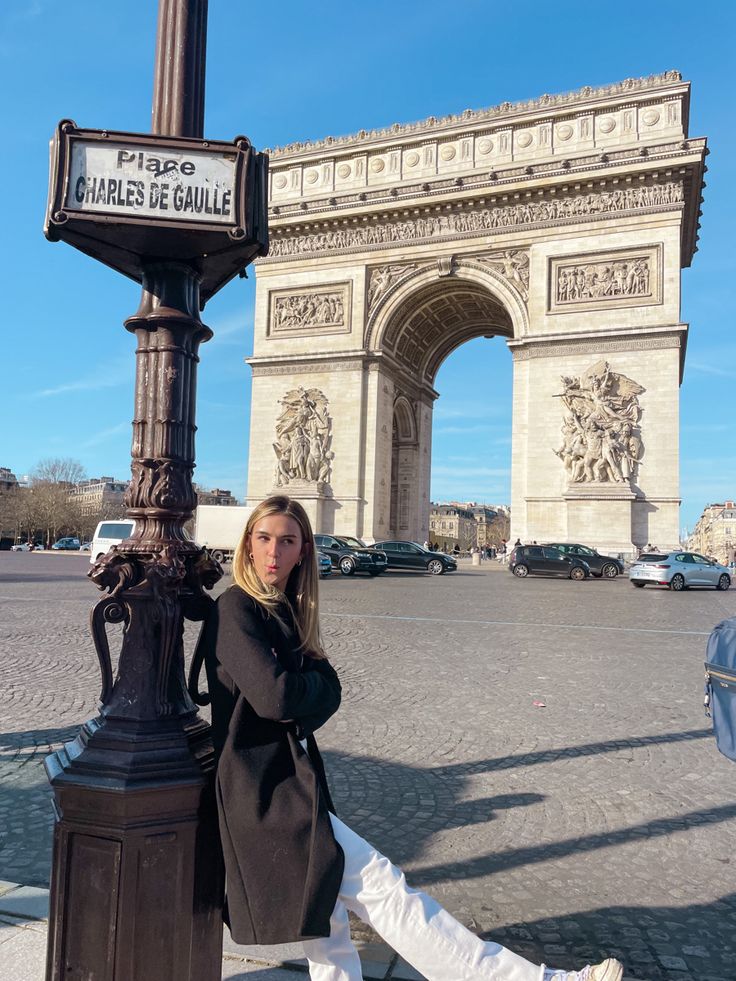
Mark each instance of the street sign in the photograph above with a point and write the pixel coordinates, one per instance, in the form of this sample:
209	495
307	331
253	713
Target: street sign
128	198
133	181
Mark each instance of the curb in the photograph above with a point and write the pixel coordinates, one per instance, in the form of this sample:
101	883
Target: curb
24	912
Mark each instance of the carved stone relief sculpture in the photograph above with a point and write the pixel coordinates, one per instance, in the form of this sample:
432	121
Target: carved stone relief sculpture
315	310
303	438
383	278
551	209
601	438
603	280
513	266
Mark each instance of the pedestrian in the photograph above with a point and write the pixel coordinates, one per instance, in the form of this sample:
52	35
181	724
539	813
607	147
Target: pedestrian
428	546
517	543
293	869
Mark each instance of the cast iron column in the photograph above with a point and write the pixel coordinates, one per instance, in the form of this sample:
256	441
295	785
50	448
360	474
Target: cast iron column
137	879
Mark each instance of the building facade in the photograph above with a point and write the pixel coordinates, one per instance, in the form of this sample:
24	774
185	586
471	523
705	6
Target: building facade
452	524
560	225
714	534
98	495
223	498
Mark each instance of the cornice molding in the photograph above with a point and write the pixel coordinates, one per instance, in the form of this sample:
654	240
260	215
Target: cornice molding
503	111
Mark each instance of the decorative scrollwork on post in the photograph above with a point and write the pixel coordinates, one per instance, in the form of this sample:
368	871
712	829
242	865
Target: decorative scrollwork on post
601	437
303	438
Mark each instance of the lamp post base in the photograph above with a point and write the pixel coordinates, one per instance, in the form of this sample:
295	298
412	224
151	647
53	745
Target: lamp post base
137	878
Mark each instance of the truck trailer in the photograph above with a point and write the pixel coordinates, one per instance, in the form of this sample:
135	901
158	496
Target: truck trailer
218	528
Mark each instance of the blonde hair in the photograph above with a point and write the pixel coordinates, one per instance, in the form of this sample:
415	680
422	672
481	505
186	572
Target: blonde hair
301	592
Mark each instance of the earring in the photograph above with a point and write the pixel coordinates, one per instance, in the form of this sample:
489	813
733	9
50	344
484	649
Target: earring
250	556
299	562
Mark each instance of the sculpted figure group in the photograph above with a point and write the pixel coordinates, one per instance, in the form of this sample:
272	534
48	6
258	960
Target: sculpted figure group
303	437
308	310
593	280
600	433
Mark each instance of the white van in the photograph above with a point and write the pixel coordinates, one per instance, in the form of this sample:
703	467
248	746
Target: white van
109	533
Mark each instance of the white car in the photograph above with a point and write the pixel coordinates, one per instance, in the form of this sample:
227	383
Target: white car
678	570
22	547
107	534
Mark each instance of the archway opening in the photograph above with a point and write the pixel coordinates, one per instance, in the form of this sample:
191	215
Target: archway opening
473	440
471	445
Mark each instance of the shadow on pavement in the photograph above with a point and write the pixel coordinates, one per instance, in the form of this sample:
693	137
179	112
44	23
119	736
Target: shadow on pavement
660	943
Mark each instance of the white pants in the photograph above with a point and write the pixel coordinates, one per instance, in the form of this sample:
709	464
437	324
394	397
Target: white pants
414	924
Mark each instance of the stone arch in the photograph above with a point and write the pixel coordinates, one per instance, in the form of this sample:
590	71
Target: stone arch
484	303
404	420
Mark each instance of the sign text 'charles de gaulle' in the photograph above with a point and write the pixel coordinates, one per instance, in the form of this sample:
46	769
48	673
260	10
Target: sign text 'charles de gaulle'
128	199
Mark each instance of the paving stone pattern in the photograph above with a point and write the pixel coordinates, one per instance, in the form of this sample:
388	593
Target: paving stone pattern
604	822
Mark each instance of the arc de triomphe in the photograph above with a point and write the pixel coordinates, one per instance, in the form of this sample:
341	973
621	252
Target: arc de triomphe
561	225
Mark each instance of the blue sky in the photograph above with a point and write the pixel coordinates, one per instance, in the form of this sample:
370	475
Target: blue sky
292	71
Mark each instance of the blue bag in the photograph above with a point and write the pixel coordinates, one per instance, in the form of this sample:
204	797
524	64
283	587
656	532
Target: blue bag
720	685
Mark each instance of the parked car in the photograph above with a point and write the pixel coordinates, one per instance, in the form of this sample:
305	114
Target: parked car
545	560
410	555
22	547
601	566
67	544
85	547
107	534
350	555
324	565
678	570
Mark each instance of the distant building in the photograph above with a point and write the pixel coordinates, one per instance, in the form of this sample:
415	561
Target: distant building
97	495
452	524
8	480
215	496
715	532
492	521
9	490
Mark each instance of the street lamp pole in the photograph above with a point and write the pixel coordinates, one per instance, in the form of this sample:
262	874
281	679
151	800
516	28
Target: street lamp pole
137	878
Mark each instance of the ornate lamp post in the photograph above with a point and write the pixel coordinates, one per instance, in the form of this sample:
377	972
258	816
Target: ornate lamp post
136	883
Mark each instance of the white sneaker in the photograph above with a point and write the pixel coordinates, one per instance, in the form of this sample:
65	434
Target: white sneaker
608	970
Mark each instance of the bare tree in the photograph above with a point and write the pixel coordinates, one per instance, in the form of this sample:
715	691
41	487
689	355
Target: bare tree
51	509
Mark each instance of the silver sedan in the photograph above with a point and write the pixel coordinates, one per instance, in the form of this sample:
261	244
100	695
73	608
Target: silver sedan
678	570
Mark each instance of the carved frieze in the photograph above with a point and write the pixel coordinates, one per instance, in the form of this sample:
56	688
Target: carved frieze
629	277
303	438
554	208
601	438
382	278
322	310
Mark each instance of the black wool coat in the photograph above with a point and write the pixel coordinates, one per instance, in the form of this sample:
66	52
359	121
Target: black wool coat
283	866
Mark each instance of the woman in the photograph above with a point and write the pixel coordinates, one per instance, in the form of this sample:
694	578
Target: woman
293	868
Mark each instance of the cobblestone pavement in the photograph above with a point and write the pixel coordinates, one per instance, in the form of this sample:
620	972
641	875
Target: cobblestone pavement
604	821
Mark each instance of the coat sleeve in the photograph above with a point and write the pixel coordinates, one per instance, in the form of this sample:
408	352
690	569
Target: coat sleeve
244	652
308	724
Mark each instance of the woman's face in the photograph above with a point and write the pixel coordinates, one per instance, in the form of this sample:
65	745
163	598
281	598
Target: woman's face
276	545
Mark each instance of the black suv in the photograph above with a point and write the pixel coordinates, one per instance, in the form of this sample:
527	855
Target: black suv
544	560
601	566
409	555
350	555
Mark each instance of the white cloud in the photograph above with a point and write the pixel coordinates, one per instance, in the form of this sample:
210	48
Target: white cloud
469	472
472	410
91	384
710	369
235	327
104	435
